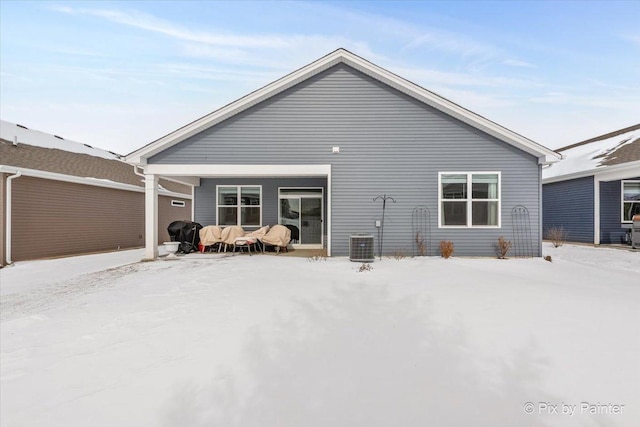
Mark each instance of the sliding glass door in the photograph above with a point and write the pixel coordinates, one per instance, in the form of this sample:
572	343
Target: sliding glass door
302	211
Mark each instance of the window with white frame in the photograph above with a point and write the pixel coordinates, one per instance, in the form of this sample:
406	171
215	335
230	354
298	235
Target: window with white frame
469	199
630	200
239	205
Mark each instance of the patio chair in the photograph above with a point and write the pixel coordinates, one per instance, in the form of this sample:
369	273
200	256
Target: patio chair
244	243
229	235
278	236
259	234
210	237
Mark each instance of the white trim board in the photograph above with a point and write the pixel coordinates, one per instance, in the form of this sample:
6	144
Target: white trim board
597	179
469	200
301	196
238	205
544	155
602	173
96	182
250	171
622	201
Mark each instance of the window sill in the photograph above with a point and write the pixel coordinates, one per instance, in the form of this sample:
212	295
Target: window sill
465	227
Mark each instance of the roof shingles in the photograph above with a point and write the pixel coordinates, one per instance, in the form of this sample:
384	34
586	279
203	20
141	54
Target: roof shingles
75	164
599	153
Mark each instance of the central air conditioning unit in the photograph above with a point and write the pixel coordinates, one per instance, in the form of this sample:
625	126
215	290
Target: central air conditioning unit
361	248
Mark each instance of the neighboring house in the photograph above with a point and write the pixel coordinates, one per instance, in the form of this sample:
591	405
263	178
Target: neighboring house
595	190
59	197
315	147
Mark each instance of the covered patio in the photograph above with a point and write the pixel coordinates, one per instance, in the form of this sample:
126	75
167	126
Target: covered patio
260	195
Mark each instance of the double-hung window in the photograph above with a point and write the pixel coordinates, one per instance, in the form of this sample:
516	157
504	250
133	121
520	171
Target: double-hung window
630	200
469	199
240	205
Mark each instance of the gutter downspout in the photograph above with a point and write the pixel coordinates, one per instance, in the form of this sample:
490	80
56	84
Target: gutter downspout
193	192
135	170
7	234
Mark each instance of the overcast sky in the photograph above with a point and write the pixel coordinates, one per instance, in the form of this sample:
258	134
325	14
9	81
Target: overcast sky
118	75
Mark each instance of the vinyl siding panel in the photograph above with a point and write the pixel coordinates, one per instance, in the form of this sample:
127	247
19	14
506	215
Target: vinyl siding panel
611	230
205	198
569	204
167	214
76	164
55	218
389	144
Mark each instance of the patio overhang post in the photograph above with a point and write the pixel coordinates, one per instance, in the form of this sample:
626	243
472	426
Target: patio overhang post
151	216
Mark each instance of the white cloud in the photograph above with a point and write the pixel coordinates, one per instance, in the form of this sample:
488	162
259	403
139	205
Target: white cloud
517	63
478	102
634	38
429	77
153	24
453	43
219	73
215	44
607	101
278	51
409	36
76	52
302	51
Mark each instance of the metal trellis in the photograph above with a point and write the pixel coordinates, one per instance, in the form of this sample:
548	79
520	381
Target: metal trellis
421	227
522	240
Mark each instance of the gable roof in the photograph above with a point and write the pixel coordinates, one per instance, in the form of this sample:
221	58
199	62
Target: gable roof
343	56
614	150
32	151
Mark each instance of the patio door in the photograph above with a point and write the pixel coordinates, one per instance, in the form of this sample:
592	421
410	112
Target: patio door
302	210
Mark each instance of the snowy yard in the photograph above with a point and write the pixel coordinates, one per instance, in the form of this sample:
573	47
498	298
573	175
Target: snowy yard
283	341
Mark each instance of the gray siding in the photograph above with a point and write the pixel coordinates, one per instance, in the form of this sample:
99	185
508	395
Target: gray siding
611	230
389	144
569	204
205	197
610	212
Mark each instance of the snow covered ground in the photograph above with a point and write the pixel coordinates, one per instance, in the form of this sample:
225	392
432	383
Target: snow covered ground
282	341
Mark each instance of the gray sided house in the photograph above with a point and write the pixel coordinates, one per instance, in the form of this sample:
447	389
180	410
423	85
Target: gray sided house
59	198
594	191
315	148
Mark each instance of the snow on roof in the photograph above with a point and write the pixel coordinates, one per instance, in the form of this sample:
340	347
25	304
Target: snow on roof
595	153
10	131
